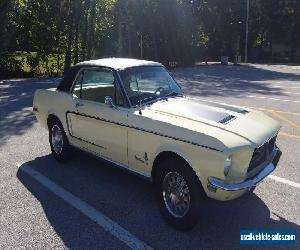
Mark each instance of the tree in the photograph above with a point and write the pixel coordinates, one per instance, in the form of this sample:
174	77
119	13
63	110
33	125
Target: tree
51	35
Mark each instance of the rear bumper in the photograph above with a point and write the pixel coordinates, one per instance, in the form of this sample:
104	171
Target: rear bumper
249	183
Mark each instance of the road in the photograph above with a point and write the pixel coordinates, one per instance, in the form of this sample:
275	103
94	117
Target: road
36	215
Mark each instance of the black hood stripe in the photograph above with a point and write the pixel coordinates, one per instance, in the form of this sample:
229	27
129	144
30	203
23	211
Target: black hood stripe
137	128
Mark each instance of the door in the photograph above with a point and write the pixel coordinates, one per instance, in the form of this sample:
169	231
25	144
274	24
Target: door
99	126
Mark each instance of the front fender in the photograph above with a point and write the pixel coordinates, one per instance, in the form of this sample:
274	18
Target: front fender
205	162
173	148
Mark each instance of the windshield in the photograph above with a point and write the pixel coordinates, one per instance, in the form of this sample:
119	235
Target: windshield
149	83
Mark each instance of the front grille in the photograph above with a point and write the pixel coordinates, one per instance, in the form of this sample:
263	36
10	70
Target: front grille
261	154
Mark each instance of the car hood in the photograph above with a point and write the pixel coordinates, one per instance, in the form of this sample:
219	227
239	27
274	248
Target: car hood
231	125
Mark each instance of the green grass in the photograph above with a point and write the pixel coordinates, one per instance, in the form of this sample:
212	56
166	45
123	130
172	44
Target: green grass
40	66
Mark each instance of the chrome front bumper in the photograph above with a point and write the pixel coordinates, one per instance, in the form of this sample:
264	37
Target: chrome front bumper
249	183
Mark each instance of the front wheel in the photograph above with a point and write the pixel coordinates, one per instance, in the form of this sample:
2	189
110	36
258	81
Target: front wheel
179	193
58	141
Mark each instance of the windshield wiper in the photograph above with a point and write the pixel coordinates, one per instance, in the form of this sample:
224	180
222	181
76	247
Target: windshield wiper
150	98
173	94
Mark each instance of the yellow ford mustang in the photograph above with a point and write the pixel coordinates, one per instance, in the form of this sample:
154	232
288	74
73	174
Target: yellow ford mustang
133	113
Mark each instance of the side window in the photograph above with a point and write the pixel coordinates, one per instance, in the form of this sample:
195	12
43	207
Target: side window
96	84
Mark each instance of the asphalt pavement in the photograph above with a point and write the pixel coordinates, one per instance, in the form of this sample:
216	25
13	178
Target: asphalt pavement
38	216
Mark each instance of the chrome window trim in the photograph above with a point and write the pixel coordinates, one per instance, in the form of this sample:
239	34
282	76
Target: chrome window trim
116	76
147	103
123	89
76	77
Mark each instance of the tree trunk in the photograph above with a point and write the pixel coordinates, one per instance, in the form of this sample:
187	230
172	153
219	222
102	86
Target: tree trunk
57	63
120	29
85	31
67	59
4	12
78	14
91	33
76	46
68	54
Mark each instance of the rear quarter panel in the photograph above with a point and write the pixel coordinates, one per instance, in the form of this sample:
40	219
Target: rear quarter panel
53	102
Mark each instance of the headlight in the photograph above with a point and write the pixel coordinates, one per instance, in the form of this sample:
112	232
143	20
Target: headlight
227	165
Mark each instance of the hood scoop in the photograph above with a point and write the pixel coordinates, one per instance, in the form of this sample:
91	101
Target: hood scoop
193	111
227	119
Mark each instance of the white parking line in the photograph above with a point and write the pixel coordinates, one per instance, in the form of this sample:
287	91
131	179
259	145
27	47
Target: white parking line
285	181
258	91
286	87
290	93
273	99
103	221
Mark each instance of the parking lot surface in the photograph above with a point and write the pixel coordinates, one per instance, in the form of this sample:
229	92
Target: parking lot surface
88	203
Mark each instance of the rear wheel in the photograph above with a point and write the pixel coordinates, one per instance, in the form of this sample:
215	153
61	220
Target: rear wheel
58	141
179	193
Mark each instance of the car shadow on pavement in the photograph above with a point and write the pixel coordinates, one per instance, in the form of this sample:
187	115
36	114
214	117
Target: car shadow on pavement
16	97
129	201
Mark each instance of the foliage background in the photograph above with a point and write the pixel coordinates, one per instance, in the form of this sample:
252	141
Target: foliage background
45	37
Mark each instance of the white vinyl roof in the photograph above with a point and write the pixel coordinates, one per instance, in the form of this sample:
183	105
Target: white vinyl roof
119	63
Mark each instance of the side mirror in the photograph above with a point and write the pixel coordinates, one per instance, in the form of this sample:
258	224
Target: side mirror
109	102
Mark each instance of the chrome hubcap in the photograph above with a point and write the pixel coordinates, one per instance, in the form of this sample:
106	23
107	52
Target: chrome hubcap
57	139
176	194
